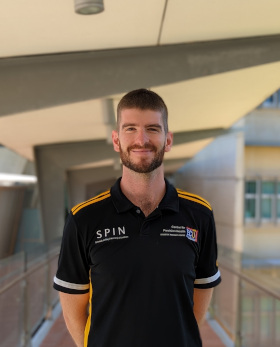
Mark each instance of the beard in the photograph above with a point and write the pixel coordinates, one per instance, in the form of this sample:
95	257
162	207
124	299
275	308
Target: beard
145	165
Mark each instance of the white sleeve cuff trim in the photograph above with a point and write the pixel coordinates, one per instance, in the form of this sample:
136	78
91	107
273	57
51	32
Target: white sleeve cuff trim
70	285
208	279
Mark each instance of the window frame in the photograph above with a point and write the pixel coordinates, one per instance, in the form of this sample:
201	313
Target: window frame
259	196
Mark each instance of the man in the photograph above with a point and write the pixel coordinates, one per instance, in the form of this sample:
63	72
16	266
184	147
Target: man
143	254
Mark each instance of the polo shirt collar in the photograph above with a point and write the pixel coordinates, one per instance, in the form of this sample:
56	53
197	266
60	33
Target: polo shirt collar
170	200
120	201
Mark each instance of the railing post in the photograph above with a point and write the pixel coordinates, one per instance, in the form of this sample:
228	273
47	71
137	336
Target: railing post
49	307
22	320
274	320
238	337
257	330
26	328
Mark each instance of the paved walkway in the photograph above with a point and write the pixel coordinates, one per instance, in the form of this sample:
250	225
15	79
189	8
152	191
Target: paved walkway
59	336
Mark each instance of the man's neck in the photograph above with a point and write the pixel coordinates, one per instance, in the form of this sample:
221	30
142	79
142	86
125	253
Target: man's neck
144	190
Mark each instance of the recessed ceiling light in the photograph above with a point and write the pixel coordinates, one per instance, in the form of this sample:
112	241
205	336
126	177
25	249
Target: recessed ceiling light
89	6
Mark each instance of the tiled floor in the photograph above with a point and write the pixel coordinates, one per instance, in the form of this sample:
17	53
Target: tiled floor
209	337
58	336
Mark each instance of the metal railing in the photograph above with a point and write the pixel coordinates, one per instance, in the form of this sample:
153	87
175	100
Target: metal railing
26	294
247	302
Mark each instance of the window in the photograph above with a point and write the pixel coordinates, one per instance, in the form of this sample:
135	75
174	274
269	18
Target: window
250	200
262	201
267	196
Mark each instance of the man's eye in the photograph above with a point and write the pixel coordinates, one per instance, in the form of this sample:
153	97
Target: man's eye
154	129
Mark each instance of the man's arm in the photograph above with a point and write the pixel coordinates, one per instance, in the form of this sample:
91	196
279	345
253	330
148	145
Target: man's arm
201	299
74	307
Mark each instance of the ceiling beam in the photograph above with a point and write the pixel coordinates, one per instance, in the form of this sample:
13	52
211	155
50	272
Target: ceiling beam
35	82
70	154
195	135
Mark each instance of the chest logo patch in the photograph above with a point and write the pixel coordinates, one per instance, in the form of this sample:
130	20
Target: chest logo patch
191	234
174	230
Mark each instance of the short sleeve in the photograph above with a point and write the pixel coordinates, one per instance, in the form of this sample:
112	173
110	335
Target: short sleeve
73	269
207	272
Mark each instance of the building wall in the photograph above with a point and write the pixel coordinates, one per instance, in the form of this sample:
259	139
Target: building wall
262	127
262	161
216	173
262	238
262	241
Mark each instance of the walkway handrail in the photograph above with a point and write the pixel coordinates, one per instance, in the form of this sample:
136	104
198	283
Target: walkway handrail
250	280
246	303
27	273
27	296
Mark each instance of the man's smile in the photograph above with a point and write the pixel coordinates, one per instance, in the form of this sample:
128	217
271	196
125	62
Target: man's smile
142	150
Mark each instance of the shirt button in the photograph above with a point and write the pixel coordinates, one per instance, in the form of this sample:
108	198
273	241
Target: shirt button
138	211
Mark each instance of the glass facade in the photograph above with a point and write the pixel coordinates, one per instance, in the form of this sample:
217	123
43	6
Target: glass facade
262	201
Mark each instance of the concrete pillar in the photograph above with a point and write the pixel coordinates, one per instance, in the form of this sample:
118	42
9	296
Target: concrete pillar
11	201
52	161
80	182
51	182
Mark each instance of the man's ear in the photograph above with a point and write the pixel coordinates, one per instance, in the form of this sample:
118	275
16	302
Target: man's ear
116	142
168	141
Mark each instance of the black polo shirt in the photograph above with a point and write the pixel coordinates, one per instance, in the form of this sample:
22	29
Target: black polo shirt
140	271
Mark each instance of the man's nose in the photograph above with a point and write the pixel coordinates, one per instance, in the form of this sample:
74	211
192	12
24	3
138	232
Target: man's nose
142	138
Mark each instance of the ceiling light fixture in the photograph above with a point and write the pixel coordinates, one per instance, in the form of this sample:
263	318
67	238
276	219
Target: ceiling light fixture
89	6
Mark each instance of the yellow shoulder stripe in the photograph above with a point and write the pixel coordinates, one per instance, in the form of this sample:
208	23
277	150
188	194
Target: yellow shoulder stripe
193	197
97	198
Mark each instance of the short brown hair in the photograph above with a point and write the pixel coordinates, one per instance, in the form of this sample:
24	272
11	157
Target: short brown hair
143	99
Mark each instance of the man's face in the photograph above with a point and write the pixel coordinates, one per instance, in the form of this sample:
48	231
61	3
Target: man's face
141	140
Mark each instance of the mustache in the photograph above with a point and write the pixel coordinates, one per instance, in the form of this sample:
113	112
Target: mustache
145	146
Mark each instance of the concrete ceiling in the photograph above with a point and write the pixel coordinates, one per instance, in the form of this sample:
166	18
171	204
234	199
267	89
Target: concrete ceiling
211	99
34	27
